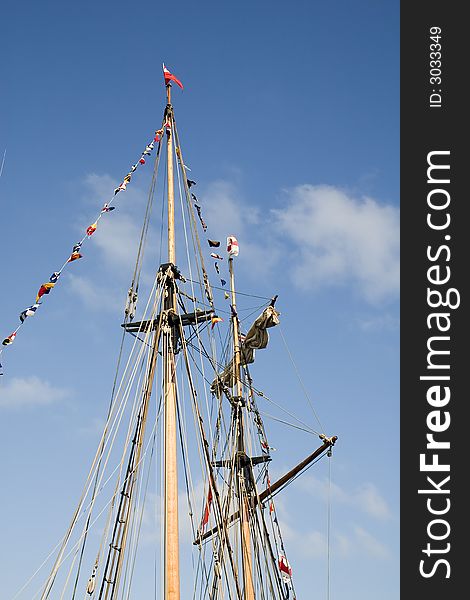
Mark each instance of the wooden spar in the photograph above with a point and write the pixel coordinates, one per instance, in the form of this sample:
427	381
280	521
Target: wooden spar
249	592
171	572
274	487
296	470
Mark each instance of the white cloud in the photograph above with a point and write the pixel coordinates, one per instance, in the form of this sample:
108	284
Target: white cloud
118	232
308	544
379	323
227	213
115	241
369	499
95	296
29	391
313	544
339	239
365	498
329	237
370	544
343	545
348	545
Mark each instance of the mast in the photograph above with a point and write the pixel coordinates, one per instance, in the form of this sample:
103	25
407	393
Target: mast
170	183
171	539
243	481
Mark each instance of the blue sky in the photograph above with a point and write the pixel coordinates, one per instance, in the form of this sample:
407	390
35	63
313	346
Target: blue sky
289	122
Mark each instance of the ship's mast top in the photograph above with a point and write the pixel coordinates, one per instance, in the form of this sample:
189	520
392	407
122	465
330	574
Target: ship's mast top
170	182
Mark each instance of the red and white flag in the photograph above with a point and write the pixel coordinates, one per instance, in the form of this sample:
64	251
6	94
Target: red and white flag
170	77
232	245
284	566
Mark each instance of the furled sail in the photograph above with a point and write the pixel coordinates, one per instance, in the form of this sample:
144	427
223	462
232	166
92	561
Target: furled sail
257	338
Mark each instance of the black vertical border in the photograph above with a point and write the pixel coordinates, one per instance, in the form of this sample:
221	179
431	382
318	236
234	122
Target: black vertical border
424	129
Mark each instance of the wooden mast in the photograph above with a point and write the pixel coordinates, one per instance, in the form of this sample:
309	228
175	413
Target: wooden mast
171	542
171	193
249	593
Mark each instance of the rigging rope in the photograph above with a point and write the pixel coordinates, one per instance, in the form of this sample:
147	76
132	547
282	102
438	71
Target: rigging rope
328	527
300	379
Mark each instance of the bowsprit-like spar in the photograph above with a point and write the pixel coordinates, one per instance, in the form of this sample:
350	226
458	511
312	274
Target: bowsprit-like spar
172	369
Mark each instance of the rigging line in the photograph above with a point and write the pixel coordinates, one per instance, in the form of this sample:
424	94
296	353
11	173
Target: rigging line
64	537
298	475
162	216
110	503
194	305
184	447
264	545
99	463
300	379
239	293
114	561
182	421
257	514
207	285
193	228
59	560
58	545
223	541
218	505
134	529
161	516
267	543
261	395
206	355
181	403
138	361
254	310
218	365
328	526
3	162
140	518
277	535
187	474
75	546
310	431
145	225
120	534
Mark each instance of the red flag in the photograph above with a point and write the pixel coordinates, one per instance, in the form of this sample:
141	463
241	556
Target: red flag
205	518
285	567
169	77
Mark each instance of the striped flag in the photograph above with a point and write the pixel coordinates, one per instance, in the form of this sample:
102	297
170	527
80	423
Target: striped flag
170	77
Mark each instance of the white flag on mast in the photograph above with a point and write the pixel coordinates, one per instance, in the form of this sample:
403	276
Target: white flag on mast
232	245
